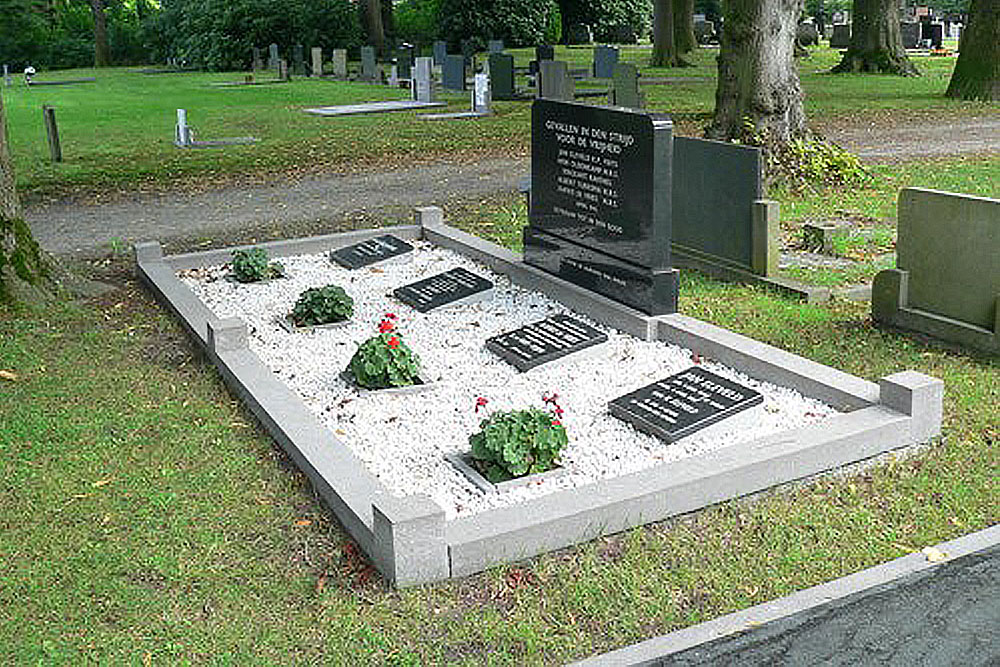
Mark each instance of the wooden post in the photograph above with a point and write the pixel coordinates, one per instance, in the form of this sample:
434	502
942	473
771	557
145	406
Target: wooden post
55	150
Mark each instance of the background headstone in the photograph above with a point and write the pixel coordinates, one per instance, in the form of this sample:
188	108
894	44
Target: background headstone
579	33
600	211
481	100
704	31
469	50
542	52
605	59
368	72
7	79
840	38
625	87
257	62
423	81
910	32
393	76
502	76
554	81
440	50
273	58
283	72
404	61
807	34
453	73
298	61
339	60
182	133
494	46
317	61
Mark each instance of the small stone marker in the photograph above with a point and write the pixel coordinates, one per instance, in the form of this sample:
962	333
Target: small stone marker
393	76
502	76
368	252
481	94
541	342
283	73
423	81
317	61
273	57
339	60
182	133
52	131
7	79
684	403
451	288
368	63
605	59
453	73
440	53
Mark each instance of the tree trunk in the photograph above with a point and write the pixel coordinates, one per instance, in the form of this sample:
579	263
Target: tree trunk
876	41
371	20
664	48
758	98
977	72
101	50
388	22
10	207
684	40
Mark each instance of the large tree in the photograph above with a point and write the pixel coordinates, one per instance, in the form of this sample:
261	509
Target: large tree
977	72
876	40
758	97
102	53
664	40
371	21
684	40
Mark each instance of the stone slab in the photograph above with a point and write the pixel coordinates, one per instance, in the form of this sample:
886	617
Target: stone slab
372	107
450	288
547	340
370	251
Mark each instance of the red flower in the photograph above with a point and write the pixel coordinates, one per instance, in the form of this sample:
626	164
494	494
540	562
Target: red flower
556	422
385	326
480	403
393	342
391	316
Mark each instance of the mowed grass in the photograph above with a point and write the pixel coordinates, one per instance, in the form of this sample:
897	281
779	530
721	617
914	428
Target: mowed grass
147	519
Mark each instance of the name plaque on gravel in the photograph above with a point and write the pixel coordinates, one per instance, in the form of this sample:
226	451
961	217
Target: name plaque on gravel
373	250
540	342
451	288
681	404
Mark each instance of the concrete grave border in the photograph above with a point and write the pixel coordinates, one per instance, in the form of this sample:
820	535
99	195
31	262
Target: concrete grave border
408	538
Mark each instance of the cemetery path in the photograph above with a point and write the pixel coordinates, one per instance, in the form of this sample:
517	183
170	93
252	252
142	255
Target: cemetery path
887	140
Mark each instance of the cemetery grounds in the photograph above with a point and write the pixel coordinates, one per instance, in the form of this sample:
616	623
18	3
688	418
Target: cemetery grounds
148	519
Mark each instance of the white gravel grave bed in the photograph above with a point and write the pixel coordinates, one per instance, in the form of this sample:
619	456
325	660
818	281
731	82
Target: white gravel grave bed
402	438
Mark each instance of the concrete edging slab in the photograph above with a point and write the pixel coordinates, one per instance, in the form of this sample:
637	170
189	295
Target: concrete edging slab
409	540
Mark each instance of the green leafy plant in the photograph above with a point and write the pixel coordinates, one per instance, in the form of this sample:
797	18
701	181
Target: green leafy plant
322	305
251	265
384	360
518	442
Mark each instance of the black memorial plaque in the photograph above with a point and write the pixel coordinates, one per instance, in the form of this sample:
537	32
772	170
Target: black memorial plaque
442	289
373	250
541	342
601	194
681	404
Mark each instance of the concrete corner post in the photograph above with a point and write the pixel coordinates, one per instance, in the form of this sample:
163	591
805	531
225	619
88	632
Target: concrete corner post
766	237
919	396
889	294
409	540
428	216
148	251
226	335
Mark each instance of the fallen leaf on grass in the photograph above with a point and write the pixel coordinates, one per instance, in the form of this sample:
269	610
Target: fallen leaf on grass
8	375
301	523
934	555
102	482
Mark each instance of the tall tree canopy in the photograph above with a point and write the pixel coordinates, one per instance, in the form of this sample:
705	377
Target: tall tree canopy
977	72
876	40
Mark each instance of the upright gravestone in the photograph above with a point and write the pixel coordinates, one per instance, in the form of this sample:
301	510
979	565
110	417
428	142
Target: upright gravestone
273	59
542	52
600	207
368	72
182	132
935	34
554	81
404	61
257	62
494	46
625	87
469	51
298	61
393	76
502	76
910	33
605	59
579	33
423	81
481	93
7	80
453	73
338	60
840	38
440	50
317	61
283	73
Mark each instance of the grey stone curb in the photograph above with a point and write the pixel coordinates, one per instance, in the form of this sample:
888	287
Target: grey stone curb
799	608
408	538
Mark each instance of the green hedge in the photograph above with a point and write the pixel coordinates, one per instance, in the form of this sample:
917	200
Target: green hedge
516	22
606	16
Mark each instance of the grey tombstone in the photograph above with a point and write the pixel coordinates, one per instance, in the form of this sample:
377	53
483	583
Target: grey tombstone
339	60
481	101
704	31
368	72
502	76
494	46
600	202
440	51
423	81
257	61
453	73
182	133
579	33
542	52
554	81
393	76
283	72
840	38
910	33
404	62
806	34
605	59
317	61
625	90
273	58
7	79
469	50
298	61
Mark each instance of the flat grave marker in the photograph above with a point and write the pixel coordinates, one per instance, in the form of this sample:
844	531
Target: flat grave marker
368	252
683	403
454	287
372	107
541	342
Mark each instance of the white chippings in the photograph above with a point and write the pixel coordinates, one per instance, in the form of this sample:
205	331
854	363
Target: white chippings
403	438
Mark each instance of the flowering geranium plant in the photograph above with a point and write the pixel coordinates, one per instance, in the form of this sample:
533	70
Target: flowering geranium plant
518	442
384	360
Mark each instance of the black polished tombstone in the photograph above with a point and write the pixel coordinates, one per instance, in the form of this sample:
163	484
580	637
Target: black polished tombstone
298	61
600	212
453	73
502	76
542	52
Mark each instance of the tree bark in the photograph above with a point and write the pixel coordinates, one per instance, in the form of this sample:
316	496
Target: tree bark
101	51
684	40
10	207
371	20
876	41
759	97
664	47
977	72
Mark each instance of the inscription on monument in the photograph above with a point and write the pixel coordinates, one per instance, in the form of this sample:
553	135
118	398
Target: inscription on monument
452	287
684	403
370	251
541	342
